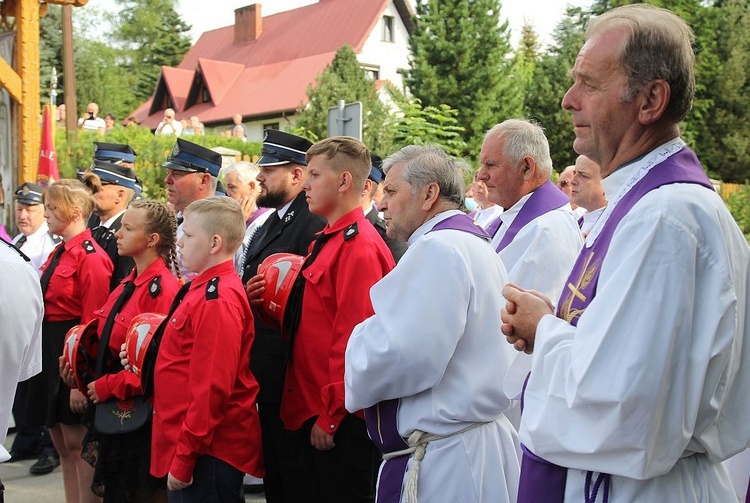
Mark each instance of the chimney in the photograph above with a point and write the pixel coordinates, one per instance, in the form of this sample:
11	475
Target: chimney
248	24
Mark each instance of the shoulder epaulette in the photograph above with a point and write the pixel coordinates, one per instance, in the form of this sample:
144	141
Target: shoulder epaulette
154	287
88	246
351	231
212	289
55	239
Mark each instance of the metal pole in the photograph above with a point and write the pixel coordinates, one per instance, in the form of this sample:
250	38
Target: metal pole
53	88
342	117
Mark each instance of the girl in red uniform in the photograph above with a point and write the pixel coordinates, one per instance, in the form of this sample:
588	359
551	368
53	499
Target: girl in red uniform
122	461
75	282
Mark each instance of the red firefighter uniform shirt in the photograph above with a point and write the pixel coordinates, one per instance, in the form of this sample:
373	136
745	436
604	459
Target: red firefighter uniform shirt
155	288
79	285
204	392
336	298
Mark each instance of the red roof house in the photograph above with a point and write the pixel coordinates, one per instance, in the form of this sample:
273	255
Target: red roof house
260	67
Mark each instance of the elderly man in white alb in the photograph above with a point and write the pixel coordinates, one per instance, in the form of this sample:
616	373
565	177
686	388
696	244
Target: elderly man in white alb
587	192
426	366
537	236
241	185
21	311
639	387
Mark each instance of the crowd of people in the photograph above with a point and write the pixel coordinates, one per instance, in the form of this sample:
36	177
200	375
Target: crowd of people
344	327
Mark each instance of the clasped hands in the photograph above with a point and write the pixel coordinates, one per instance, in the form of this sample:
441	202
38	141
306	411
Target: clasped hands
521	315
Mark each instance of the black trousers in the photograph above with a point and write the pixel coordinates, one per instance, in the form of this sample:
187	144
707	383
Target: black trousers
214	481
345	474
278	486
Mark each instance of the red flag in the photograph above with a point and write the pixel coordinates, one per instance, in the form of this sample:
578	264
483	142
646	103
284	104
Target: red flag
47	173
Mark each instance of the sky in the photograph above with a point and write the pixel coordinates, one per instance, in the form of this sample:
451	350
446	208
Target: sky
204	15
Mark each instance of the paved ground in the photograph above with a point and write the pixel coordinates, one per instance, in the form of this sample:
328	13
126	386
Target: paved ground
22	487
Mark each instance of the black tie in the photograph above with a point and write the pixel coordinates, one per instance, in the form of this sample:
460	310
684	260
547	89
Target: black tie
51	269
293	312
128	287
180	219
149	361
21	241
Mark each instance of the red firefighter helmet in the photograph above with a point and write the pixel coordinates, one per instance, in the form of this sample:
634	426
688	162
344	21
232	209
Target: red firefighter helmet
280	271
139	335
80	349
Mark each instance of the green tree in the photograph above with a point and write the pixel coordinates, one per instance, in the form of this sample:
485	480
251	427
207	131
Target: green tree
50	52
460	53
151	35
415	124
723	138
526	57
344	79
549	84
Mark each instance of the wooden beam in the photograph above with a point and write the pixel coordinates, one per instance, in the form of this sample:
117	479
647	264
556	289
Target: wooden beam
74	3
27	56
10	80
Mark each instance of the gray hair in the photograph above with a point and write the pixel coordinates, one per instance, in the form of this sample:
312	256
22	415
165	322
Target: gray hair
524	138
659	46
428	164
246	171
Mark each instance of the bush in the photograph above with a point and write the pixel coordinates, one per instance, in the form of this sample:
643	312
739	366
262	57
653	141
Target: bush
739	205
152	152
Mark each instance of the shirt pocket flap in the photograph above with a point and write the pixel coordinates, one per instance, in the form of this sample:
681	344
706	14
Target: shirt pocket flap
314	273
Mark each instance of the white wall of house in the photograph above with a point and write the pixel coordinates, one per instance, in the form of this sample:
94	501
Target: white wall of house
387	57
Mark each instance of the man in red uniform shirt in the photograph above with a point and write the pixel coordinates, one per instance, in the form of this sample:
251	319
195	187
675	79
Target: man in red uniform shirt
337	461
206	432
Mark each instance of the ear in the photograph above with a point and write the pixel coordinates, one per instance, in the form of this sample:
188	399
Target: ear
368	187
346	181
654	101
217	244
430	195
153	239
298	174
528	168
206	179
120	195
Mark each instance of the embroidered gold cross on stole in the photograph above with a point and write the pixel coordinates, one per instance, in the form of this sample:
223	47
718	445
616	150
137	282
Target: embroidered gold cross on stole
575	291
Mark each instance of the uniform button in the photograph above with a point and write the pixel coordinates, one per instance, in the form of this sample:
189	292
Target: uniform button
174	320
332	427
289	390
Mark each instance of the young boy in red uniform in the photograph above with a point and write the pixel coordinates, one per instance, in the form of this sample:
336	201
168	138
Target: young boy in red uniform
336	459
206	432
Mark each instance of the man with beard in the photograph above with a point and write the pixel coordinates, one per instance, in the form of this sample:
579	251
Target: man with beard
290	229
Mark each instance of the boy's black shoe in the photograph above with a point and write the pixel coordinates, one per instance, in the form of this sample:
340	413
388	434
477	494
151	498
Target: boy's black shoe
44	465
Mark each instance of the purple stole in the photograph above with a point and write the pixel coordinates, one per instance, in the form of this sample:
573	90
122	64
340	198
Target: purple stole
258	212
382	418
461	223
541	481
543	200
747	496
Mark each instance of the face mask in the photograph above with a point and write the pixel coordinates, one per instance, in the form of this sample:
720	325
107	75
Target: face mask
470	203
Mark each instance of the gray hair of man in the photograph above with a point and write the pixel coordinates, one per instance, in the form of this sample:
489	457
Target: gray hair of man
524	138
246	171
659	46
426	164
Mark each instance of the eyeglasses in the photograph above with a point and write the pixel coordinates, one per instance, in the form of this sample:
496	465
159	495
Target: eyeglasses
563	183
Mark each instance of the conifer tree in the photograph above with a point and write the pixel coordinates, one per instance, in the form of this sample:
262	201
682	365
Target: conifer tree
460	52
